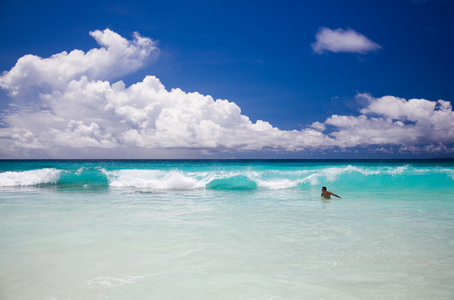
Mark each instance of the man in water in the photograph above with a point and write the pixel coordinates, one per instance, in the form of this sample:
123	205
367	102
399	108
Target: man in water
327	194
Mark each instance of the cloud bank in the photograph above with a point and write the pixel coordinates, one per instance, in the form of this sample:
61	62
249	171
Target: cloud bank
339	40
65	104
416	125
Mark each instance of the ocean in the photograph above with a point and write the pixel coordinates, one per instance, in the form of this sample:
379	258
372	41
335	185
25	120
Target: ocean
226	229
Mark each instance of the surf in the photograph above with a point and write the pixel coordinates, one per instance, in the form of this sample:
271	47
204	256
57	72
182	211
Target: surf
29	178
222	175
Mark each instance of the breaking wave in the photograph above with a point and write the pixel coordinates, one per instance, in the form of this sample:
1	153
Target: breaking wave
221	177
29	178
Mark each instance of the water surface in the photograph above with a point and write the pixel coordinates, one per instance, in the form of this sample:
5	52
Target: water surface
226	230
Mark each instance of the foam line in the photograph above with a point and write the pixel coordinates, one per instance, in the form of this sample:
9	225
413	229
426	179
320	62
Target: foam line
29	178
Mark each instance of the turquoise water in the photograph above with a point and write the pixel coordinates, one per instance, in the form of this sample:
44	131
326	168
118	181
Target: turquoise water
226	230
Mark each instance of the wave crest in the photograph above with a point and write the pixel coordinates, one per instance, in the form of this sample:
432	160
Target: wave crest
220	178
152	179
29	178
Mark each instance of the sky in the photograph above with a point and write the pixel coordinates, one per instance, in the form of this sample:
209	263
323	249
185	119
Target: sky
226	79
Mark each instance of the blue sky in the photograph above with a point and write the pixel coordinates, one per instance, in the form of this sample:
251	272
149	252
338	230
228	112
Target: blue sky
314	79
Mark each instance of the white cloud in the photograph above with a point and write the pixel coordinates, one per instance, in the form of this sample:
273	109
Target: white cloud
117	57
77	108
146	114
396	121
318	126
363	130
78	135
340	40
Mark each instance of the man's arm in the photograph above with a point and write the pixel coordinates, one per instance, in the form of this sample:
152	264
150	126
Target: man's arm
335	195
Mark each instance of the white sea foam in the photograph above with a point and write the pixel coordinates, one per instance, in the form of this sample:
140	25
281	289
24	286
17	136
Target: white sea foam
399	170
108	282
80	171
180	180
332	174
153	179
277	184
29	178
449	172
313	179
265	179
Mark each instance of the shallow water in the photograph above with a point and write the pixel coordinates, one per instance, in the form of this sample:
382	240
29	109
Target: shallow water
226	230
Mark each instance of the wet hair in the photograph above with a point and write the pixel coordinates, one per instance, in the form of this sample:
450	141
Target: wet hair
324	188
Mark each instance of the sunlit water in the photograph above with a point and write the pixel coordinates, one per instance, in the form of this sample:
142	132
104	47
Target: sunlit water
226	230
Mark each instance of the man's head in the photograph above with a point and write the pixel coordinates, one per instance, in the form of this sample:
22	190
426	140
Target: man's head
324	188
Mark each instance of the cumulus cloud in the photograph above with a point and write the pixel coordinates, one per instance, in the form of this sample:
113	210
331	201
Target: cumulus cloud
340	40
61	106
117	57
391	120
67	101
98	114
